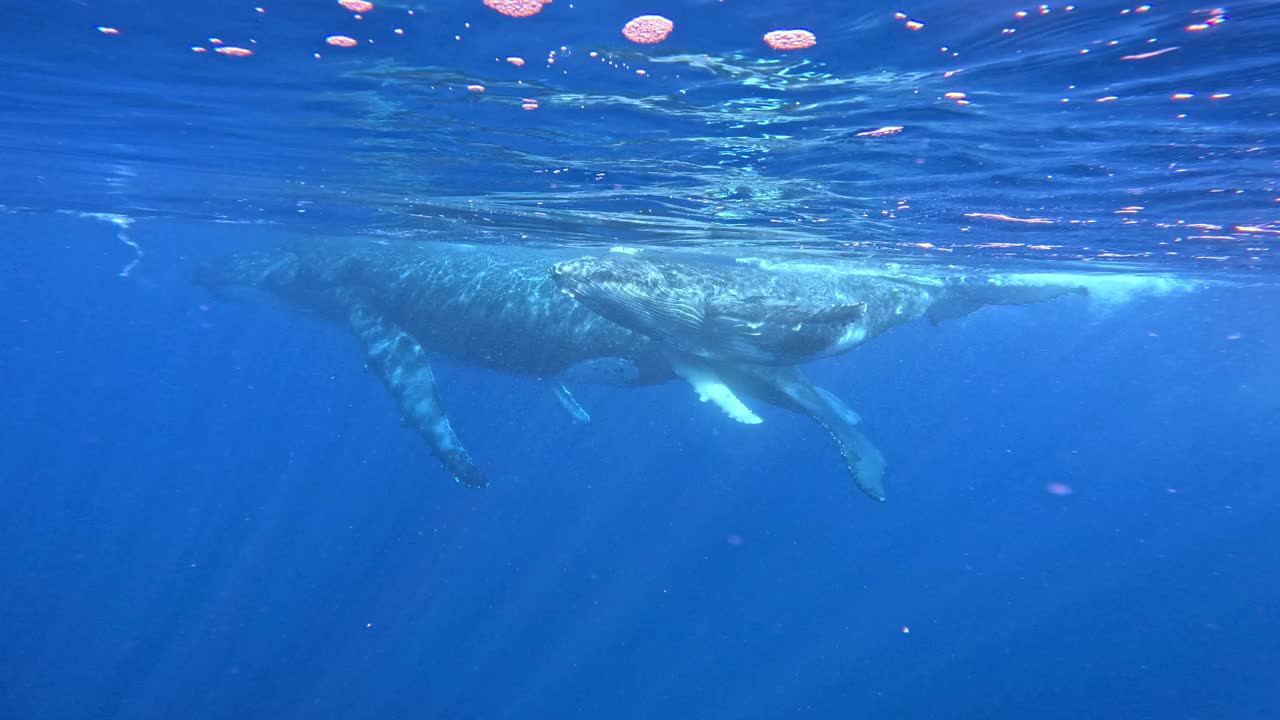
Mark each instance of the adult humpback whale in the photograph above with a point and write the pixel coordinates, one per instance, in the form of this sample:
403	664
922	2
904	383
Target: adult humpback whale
726	328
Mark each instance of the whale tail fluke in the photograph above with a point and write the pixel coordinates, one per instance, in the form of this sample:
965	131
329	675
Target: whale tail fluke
401	362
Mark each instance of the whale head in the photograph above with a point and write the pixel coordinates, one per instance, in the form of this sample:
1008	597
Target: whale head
708	311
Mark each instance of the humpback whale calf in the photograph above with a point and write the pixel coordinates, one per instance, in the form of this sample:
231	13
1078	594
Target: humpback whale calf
729	329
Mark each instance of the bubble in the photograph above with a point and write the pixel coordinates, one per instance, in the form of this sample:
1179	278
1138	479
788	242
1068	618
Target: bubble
517	61
515	8
647	29
108	30
341	41
790	39
475	88
234	51
356	6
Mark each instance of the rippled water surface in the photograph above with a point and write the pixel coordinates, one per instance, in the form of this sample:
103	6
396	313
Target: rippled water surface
1105	132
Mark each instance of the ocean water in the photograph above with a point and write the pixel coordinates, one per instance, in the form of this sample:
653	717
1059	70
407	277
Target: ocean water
208	510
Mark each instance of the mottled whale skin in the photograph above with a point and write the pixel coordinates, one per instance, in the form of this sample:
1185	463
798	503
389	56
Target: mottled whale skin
724	327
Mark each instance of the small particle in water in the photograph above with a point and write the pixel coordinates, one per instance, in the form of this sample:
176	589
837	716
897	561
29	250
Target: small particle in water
1183	96
647	29
906	630
398	31
914	25
529	106
234	51
356	6
108	30
790	39
1057	488
1108	98
475	88
197	48
517	61
954	96
341	41
734	539
1219	96
515	8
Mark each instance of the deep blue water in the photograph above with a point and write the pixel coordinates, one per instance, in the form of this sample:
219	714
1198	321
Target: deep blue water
207	509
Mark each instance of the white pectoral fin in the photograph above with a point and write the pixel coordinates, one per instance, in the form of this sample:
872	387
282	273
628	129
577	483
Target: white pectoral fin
711	388
570	404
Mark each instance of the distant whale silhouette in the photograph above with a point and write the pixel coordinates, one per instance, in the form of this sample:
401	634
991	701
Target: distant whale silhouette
726	328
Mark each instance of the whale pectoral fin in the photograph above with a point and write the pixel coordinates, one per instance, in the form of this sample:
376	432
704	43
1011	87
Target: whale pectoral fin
862	459
711	388
570	405
401	362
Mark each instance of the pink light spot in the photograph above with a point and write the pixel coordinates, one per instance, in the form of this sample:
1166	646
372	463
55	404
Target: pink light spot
516	8
1146	55
790	39
647	29
906	630
882	132
1057	488
517	61
341	41
914	25
108	30
234	51
529	106
475	88
356	6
